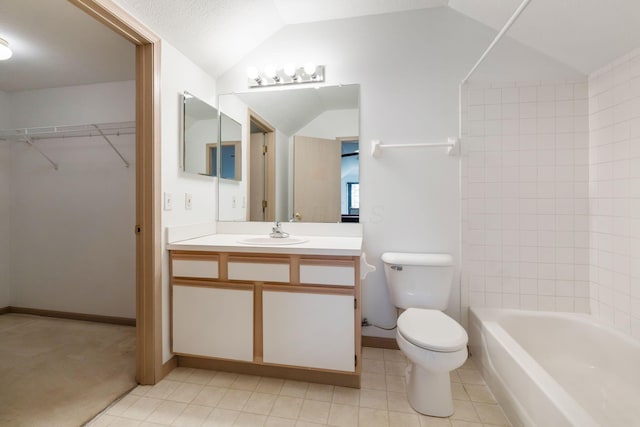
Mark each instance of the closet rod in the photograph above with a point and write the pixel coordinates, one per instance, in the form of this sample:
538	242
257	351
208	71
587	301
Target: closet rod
69	131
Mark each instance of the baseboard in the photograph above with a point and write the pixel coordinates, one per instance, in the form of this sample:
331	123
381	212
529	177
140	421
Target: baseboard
73	316
4	310
379	342
285	372
167	367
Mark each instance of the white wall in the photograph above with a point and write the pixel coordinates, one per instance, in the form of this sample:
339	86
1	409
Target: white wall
525	199
409	66
333	124
180	74
72	244
5	194
614	190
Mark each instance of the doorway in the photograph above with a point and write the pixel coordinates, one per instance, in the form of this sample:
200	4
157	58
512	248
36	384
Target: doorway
261	167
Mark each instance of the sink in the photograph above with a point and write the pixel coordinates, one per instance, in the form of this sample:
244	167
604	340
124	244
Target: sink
268	241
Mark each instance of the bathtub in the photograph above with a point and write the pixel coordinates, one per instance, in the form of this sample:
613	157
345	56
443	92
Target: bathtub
557	369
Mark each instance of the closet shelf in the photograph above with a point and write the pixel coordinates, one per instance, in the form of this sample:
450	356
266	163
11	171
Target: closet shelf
103	130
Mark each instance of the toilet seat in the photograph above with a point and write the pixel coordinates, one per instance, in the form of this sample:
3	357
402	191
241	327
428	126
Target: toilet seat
432	330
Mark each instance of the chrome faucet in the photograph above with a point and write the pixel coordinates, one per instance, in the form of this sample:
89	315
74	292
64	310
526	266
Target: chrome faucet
277	233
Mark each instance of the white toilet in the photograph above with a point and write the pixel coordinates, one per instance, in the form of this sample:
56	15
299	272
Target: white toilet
434	343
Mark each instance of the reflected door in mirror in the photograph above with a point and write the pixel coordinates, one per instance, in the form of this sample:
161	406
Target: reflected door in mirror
317	164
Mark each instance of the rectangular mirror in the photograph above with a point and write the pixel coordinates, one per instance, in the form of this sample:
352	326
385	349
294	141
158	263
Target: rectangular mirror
199	136
302	157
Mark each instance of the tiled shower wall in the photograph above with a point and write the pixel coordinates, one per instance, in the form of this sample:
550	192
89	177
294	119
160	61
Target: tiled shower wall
614	192
525	238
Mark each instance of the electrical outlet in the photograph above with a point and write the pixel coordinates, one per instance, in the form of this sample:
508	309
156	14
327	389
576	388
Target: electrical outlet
168	201
187	201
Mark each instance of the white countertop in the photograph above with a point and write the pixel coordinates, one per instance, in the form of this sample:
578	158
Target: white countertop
314	245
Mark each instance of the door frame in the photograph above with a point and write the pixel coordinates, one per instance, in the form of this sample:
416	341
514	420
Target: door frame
149	369
270	164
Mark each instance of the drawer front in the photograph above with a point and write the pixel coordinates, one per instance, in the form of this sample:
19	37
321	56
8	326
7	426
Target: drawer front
198	268
258	270
340	274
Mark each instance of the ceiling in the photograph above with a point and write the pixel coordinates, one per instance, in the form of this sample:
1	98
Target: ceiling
216	34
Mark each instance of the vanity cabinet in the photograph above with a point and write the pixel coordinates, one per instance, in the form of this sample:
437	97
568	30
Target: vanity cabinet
288	315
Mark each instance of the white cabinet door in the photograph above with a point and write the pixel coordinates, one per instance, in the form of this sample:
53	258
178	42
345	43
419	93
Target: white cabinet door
310	330
213	322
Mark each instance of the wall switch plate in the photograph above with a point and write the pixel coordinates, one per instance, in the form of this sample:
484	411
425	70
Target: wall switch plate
187	201
168	201
233	201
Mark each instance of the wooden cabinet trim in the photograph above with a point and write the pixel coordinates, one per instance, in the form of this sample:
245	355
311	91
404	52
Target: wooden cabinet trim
208	256
216	285
307	289
327	262
262	259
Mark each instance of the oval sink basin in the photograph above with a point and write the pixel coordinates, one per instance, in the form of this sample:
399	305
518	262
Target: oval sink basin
273	240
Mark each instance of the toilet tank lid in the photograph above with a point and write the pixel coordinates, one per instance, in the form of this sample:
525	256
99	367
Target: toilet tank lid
435	260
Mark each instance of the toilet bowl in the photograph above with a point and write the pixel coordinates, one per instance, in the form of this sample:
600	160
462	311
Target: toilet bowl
434	344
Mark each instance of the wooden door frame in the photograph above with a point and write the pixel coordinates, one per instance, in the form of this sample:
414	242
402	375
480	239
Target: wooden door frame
270	164
148	216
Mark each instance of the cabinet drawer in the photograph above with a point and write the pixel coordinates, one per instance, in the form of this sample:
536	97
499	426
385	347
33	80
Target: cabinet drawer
204	268
320	272
259	269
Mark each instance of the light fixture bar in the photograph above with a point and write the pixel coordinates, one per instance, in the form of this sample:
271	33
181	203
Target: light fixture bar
285	76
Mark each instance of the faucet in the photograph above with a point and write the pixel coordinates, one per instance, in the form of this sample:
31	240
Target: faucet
277	233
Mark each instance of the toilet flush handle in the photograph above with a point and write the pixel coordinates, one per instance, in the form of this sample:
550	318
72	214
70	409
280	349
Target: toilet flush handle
396	267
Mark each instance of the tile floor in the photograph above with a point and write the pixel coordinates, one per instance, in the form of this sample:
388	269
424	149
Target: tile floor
193	397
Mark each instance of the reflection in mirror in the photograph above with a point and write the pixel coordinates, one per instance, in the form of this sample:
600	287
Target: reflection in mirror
301	155
199	136
230	148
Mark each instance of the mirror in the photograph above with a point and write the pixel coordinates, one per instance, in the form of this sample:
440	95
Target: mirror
230	148
199	136
300	154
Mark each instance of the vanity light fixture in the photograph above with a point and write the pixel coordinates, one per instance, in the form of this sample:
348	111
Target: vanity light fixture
5	52
287	75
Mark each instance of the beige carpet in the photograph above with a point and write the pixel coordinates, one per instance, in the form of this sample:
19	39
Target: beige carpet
56	372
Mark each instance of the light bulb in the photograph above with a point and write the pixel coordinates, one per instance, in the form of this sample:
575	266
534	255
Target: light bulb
270	70
310	69
290	70
252	73
5	52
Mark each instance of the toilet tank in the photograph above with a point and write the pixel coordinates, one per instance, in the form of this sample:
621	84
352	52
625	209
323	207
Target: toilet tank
419	280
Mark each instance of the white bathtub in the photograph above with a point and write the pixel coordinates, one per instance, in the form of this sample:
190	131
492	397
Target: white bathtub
557	369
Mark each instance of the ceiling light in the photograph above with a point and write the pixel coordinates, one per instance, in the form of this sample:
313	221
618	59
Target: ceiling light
289	74
253	74
270	71
310	69
5	52
290	70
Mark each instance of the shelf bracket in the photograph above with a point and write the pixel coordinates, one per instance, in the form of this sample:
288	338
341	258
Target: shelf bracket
35	147
126	163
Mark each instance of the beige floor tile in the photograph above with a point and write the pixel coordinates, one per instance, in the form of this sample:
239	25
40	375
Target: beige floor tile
186	392
469	364
321	392
142	408
458	391
479	393
373	381
402	419
427	421
140	390
460	423
246	382
166	412
470	376
250	420
180	374
301	423
209	396
464	410
287	407
346	396
395	383
373	399
103	420
220	417
314	411
398	402
394	355
223	379
234	399
124	422
392	367
122	405
372	353
279	422
455	378
294	388
260	403
343	415
163	389
373	418
150	424
491	414
374	366
200	376
193	415
270	385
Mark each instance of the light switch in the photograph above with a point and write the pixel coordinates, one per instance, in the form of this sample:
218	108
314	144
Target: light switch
233	201
187	201
168	201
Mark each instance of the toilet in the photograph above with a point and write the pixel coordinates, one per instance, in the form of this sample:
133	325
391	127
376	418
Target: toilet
419	285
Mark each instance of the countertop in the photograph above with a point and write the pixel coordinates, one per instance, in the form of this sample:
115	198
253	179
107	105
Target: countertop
315	245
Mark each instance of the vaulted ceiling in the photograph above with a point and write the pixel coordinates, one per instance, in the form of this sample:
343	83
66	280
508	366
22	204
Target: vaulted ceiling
55	44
